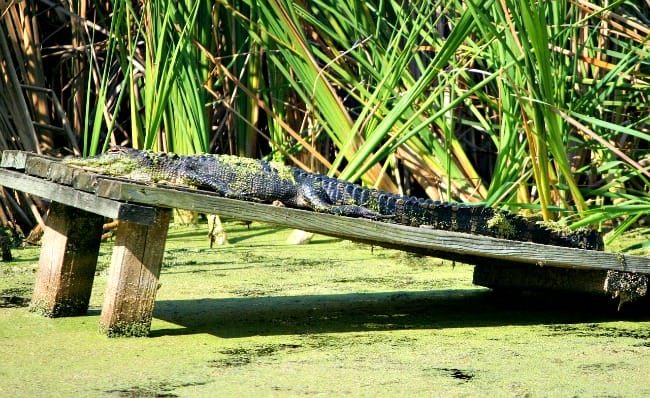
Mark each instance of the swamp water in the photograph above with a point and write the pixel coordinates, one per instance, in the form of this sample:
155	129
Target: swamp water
332	318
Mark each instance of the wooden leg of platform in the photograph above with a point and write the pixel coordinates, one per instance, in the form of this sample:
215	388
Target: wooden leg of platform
531	277
133	277
68	260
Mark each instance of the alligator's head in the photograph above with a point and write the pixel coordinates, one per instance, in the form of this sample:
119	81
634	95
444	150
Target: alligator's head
124	162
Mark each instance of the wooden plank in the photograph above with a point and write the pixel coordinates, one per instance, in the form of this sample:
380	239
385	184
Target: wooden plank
50	169
465	247
625	286
447	244
517	277
57	172
66	267
38	167
18	159
60	173
72	197
133	277
13	159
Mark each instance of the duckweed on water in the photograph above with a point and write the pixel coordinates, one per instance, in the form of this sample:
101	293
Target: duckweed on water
262	318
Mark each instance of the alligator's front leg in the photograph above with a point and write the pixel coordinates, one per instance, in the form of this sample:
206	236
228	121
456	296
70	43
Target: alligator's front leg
316	198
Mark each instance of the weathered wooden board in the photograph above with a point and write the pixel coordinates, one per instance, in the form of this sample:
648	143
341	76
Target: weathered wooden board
81	200
133	277
508	276
446	244
61	173
467	247
66	267
50	169
65	273
13	159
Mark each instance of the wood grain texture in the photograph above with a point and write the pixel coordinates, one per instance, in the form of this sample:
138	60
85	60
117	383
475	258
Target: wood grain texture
133	277
75	198
508	276
67	263
13	159
466	247
469	248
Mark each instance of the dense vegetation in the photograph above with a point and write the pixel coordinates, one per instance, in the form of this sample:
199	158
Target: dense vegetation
539	107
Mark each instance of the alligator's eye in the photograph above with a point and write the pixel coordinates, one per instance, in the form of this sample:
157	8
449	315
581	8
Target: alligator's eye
114	149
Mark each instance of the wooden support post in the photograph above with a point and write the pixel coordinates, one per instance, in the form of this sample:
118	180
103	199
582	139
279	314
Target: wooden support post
68	260
133	277
508	276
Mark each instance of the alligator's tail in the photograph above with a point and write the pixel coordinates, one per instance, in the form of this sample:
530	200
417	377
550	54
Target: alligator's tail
476	219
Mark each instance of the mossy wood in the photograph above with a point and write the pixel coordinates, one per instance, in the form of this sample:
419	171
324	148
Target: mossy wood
66	267
466	247
447	244
16	159
77	199
133	277
271	182
509	277
139	248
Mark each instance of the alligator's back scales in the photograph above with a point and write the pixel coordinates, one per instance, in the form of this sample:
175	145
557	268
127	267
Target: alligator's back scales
262	181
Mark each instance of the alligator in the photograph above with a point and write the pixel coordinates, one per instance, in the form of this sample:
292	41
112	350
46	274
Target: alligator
273	182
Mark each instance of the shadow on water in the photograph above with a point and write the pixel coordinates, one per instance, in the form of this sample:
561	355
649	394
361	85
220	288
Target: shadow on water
274	315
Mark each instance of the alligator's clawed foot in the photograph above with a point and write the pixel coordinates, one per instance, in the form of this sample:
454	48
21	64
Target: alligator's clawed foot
358	211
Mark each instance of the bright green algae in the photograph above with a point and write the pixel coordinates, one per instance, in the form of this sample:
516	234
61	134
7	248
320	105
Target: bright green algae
332	318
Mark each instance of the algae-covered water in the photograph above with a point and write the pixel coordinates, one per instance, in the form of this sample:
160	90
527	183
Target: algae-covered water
262	318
